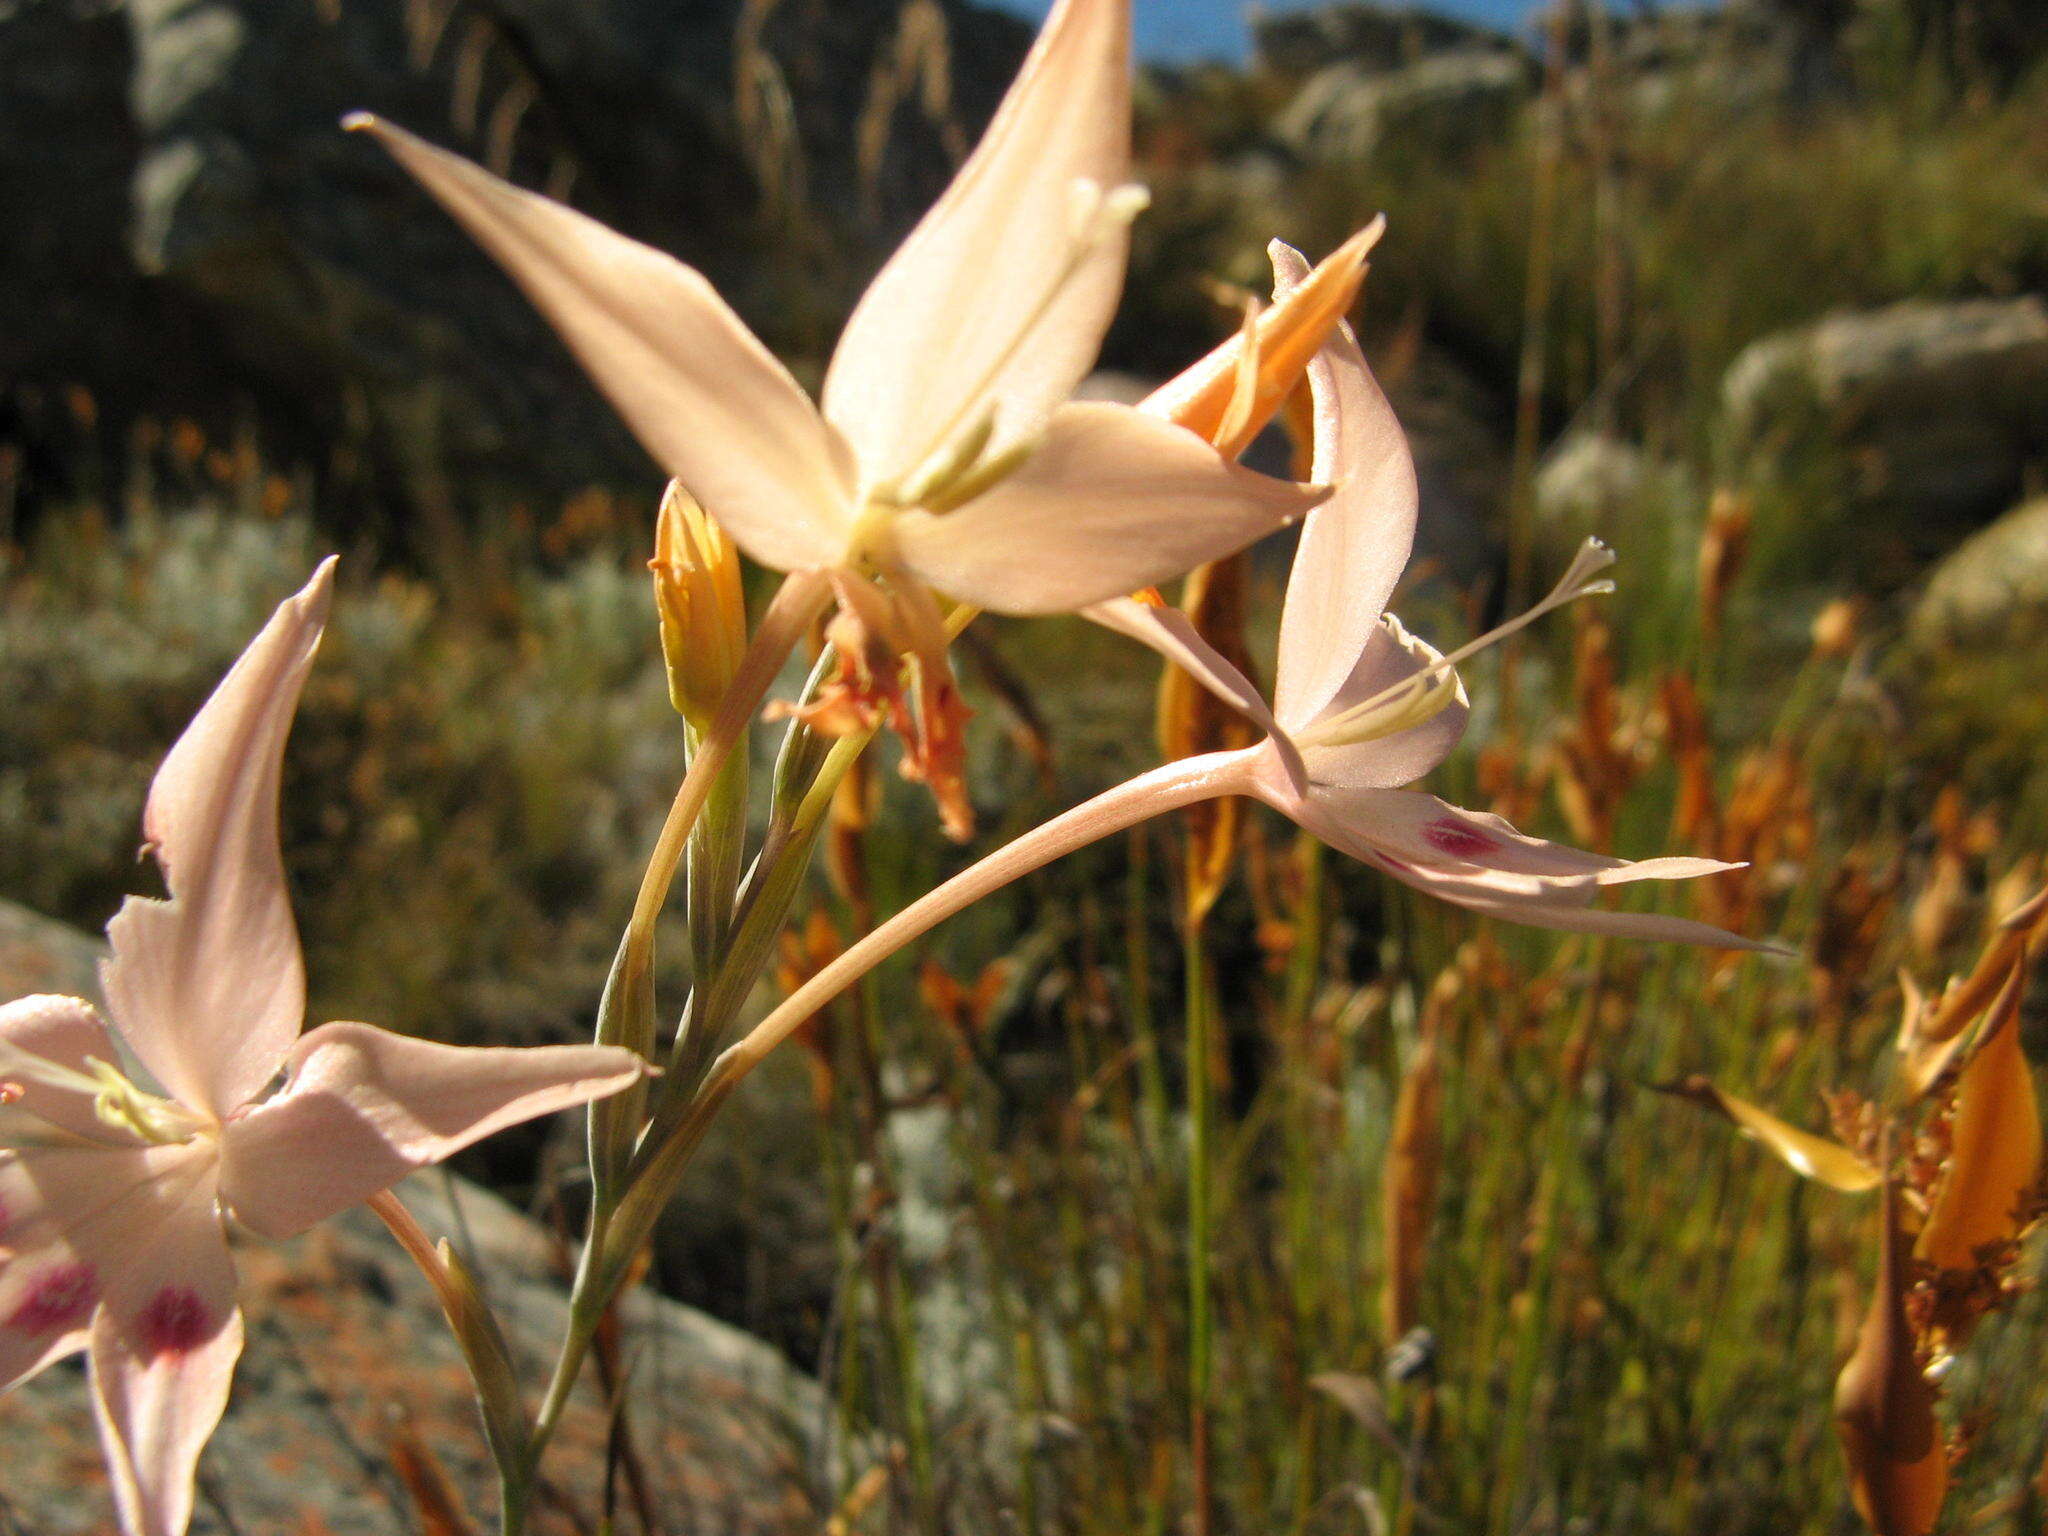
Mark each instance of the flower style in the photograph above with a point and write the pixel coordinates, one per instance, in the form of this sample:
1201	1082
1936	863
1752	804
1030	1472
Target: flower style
112	1196
944	456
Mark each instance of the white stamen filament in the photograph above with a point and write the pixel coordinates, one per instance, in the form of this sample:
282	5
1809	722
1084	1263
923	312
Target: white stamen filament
20	1066
1421	695
115	1100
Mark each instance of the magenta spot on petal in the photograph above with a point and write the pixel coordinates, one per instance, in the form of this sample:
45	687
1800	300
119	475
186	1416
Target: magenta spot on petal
62	1296
1459	839
6	1218
175	1322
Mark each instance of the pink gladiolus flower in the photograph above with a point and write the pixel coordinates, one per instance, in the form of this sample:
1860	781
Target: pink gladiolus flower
944	456
1362	708
113	1194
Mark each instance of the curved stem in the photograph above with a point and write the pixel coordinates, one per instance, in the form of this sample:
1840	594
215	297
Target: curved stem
1151	794
586	1308
1163	789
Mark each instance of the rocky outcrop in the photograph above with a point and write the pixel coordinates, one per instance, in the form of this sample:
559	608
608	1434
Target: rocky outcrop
203	239
349	1372
1895	432
1373	37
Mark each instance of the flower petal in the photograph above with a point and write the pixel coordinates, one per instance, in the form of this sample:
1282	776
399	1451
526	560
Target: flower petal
1111	501
1995	1159
47	1291
1819	1158
66	1032
363	1108
72	1220
1391	656
209	988
1353	547
984	305
1421	829
1552	911
164	1347
1308	306
703	395
1528	881
1173	635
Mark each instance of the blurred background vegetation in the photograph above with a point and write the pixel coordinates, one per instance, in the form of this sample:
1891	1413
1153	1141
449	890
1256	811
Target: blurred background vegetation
1757	293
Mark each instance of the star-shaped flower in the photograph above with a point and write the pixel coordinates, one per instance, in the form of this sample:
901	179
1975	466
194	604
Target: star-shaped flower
114	1191
944	456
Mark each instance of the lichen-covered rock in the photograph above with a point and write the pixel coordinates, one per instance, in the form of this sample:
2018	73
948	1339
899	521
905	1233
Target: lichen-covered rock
349	1369
1891	434
39	954
1378	37
1444	105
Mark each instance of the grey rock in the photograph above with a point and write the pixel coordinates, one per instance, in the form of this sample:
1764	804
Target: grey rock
39	954
1447	104
1992	589
1910	426
1375	37
348	1358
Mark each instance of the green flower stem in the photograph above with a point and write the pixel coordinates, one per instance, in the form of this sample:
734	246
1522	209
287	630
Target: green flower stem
1200	1218
717	848
800	599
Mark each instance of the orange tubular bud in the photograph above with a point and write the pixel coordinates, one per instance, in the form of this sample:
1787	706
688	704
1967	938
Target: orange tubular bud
702	609
1229	410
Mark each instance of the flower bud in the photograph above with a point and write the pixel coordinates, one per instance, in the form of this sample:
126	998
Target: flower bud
702	609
